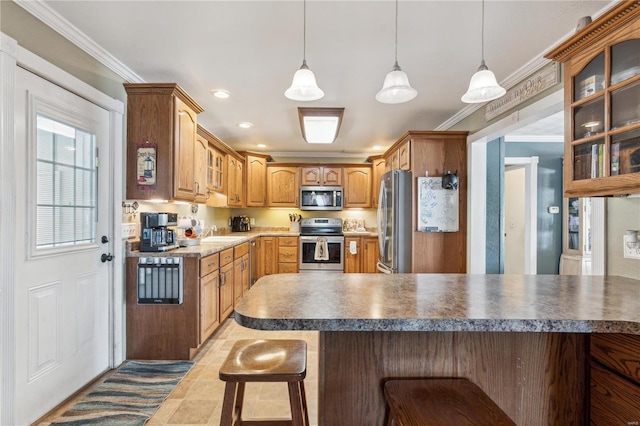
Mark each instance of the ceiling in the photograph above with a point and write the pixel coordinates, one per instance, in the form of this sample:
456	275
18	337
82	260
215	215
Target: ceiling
253	48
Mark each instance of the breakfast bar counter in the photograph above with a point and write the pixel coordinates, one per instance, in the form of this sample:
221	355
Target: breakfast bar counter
522	338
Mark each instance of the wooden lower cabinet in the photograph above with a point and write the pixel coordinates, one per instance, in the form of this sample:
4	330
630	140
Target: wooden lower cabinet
163	331
352	261
365	259
209	299
615	379
226	286
240	271
288	255
370	250
268	256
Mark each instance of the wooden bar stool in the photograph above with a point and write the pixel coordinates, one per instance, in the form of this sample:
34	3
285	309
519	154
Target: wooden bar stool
441	402
264	361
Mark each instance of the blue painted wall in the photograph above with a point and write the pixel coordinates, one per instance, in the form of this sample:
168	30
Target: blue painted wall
495	200
549	194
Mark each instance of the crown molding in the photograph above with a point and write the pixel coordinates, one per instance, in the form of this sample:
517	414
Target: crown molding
533	138
53	19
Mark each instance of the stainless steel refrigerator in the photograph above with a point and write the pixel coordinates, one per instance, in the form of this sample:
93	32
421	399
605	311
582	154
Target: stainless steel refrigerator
394	222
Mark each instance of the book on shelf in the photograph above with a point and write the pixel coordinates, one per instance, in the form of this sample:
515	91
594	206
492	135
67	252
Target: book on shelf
600	160
615	159
594	161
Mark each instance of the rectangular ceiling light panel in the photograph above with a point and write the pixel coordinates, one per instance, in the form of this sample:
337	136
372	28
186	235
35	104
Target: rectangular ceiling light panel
320	125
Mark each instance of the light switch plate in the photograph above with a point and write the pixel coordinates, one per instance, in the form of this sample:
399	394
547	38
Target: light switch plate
631	248
129	230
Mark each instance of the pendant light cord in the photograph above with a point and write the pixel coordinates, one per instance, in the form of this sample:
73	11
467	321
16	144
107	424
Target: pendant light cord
396	32
482	35
304	31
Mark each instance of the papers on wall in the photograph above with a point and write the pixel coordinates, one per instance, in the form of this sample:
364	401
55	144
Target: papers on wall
437	207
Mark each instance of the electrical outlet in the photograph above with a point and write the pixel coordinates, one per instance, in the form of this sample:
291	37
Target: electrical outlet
129	230
631	247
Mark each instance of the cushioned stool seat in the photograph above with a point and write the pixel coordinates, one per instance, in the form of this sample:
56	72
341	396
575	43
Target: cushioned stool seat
441	402
276	360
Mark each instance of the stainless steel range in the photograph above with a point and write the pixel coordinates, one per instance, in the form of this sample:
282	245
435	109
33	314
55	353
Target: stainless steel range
321	245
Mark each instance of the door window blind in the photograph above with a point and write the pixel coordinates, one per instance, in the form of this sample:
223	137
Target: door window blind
65	185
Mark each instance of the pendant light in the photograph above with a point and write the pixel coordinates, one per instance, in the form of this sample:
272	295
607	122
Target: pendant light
396	88
304	86
483	86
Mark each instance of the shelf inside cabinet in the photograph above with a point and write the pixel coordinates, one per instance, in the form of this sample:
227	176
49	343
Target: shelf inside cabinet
590	80
625	60
625	153
625	106
588	119
588	160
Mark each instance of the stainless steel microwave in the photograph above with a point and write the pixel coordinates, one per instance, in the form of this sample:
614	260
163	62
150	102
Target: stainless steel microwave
321	198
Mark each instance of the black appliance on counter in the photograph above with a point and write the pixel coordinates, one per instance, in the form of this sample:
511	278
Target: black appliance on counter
240	224
155	234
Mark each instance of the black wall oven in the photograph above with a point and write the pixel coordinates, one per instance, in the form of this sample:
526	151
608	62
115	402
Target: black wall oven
321	245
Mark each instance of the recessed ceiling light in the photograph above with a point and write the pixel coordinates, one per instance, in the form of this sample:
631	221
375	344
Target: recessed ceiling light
245	125
221	93
261	145
377	148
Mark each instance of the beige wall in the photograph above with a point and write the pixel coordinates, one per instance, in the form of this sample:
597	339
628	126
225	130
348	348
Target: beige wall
623	215
38	38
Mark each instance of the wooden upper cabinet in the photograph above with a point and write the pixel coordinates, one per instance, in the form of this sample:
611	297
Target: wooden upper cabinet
602	117
357	188
256	179
404	156
161	129
282	186
185	151
322	176
235	188
201	170
378	168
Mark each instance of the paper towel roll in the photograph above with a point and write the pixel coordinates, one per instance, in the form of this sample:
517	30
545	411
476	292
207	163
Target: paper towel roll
353	247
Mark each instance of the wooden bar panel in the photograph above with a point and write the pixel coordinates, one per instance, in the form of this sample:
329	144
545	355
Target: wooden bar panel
620	352
614	400
536	378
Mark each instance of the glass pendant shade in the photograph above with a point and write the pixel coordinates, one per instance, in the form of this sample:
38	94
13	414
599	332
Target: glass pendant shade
396	88
304	86
483	87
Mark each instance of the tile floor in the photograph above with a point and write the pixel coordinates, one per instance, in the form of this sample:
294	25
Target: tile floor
197	400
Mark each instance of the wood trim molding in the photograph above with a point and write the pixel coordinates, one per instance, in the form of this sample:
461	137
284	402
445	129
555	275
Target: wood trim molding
173	89
611	20
51	18
8	49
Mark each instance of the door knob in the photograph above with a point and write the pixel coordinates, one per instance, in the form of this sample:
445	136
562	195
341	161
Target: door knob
105	239
106	257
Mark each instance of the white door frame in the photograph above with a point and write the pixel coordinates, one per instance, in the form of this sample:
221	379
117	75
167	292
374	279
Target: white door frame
477	166
477	200
530	210
11	56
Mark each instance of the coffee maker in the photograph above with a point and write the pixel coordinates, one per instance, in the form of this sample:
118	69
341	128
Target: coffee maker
240	224
155	234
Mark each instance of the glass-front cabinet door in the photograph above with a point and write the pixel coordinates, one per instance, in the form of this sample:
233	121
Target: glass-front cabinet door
602	105
577	226
576	236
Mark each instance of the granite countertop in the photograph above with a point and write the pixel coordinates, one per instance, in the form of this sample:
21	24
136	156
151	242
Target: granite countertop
205	249
442	302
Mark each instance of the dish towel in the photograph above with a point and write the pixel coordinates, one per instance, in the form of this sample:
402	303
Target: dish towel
322	249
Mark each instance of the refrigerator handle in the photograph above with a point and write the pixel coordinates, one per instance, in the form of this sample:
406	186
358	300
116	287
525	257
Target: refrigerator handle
383	268
382	220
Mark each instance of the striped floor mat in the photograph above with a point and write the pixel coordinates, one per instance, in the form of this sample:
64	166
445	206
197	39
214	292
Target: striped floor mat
129	397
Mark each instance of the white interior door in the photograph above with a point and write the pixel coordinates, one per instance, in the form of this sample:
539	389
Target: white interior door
62	214
514	220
